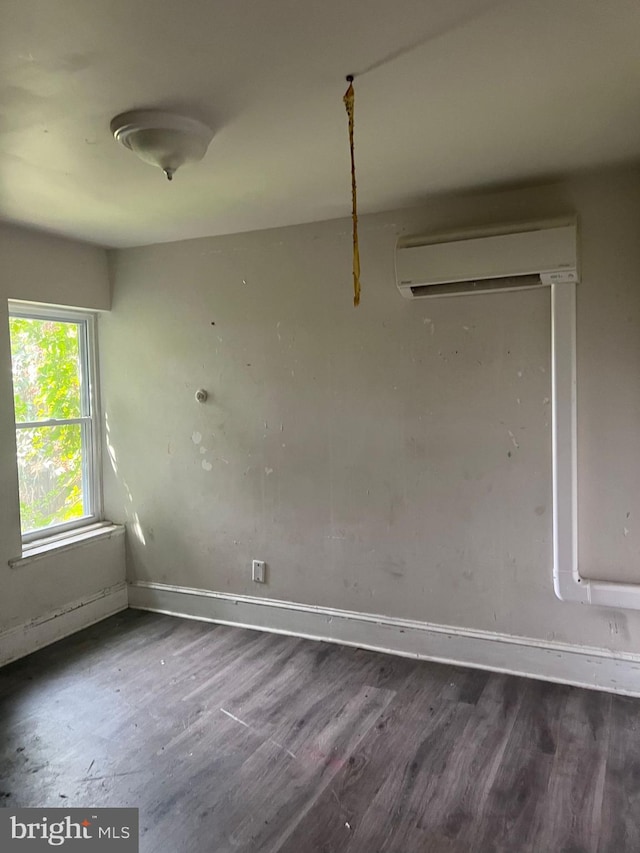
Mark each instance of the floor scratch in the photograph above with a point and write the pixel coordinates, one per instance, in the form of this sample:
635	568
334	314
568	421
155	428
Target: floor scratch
110	776
255	731
237	719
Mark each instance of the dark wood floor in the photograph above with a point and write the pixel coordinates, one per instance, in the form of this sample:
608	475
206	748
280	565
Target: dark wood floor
233	740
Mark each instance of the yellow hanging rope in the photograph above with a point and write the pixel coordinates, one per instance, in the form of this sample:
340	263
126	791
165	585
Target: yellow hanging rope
349	99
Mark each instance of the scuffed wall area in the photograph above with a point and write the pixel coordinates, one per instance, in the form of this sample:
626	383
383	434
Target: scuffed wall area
392	459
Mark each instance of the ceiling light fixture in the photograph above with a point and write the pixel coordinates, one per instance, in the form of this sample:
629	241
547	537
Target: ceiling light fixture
163	139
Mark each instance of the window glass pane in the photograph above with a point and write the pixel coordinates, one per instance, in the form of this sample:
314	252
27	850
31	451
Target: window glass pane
50	475
45	355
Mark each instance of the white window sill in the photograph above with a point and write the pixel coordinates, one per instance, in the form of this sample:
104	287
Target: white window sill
40	548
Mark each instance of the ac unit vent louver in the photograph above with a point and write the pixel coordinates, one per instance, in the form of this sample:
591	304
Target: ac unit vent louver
488	261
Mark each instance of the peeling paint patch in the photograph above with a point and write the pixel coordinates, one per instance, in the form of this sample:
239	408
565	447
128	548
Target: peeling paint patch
203	450
207	466
626	531
268	471
196	437
513	439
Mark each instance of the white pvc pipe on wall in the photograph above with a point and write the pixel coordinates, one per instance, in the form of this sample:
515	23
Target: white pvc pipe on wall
568	584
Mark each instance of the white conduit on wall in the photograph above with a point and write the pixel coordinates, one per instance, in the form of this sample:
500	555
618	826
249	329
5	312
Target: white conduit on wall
568	584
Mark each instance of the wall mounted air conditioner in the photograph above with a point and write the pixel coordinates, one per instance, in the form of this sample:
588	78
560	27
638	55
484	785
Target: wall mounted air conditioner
514	257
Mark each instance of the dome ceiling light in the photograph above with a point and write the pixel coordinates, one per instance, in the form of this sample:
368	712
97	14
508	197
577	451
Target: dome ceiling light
163	139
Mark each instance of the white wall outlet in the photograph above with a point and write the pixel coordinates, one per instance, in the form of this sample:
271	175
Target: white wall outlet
258	570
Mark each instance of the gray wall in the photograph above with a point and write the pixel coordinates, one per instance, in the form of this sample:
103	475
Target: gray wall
392	459
40	268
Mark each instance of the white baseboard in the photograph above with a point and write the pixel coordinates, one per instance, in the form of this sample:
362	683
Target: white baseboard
30	636
598	669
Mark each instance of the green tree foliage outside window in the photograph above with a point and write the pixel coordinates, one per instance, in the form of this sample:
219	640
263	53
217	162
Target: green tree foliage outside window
47	385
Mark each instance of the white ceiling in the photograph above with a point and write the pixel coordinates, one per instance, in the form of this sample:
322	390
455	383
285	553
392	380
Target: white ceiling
461	93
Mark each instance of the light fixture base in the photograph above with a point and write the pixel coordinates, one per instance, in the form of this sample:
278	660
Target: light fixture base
164	139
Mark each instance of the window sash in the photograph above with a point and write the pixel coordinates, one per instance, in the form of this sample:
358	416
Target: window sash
51	422
89	403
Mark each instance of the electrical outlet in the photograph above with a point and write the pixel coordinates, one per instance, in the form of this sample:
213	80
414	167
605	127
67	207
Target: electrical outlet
258	570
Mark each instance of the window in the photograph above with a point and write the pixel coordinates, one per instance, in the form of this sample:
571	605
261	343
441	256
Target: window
55	398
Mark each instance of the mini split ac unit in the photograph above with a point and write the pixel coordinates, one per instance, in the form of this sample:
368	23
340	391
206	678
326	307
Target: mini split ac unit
514	257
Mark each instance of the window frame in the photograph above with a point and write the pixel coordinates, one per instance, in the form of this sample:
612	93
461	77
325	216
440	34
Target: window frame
89	420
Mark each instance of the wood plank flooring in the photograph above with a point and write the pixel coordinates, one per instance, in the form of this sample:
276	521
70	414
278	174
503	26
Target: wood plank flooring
234	740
